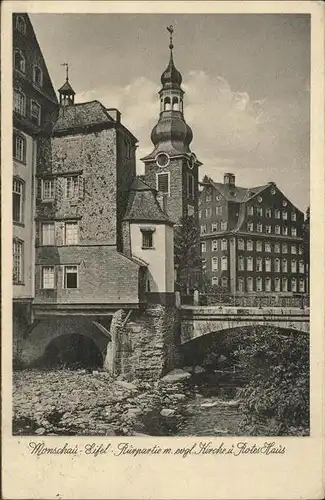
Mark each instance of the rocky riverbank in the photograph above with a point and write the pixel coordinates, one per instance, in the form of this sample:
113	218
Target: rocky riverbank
64	402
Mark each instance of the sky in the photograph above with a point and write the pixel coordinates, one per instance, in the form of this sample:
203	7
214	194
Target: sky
246	79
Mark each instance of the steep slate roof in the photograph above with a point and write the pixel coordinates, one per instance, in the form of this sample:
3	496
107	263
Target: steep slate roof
143	204
85	114
236	193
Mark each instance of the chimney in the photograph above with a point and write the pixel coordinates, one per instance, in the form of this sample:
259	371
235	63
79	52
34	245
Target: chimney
229	179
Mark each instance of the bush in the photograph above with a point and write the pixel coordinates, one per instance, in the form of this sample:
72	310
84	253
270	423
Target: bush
276	399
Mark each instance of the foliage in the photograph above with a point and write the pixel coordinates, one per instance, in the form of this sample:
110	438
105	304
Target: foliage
187	251
276	399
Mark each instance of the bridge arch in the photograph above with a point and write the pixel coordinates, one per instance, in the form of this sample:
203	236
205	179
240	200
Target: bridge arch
48	330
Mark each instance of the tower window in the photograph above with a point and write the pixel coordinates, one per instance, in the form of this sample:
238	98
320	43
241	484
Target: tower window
37	76
19	61
17	261
167	105
175	104
19	103
17	200
147	238
190	186
70	276
48	277
162	182
21	25
35	112
19	147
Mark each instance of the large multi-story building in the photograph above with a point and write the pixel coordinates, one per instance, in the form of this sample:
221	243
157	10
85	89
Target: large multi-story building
34	106
251	238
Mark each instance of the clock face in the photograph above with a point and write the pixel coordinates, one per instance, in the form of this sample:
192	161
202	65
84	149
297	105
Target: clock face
162	160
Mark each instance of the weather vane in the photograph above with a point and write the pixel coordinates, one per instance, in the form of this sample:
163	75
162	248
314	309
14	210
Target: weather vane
170	28
67	70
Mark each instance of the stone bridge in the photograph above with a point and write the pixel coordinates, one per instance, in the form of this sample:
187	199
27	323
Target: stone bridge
197	321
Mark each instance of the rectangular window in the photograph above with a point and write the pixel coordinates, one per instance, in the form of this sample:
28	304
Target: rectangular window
277	265
293	266
268	247
200	214
259	264
293	231
293	216
249	284
277	213
72	187
147	238
214	264
48	277
17	200
224	282
203	228
268	229
190	186
48	189
268	213
71	233
277	284
284	215
19	147
293	285
259	228
224	263
249	263
259	285
219	211
19	103
223	226
17	261
203	247
300	249
258	246
302	285
293	249
35	112
276	247
204	264
249	246
214	227
241	244
284	284
223	244
241	264
240	284
190	210
277	229
259	211
301	266
284	230
250	226
214	245
268	265
215	281
70	276
284	266
284	248
250	210
48	233
208	198
208	213
267	284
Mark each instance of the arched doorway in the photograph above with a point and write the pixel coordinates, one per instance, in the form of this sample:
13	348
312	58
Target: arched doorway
72	351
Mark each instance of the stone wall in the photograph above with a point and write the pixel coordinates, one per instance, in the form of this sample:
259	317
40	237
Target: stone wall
146	346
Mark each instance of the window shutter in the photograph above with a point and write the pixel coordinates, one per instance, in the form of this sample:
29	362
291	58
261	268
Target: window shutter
163	183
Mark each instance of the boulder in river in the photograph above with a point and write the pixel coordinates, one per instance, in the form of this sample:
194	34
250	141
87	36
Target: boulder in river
167	412
175	376
198	369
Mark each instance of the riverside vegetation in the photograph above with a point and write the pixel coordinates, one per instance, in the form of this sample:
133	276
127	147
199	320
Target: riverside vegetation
274	399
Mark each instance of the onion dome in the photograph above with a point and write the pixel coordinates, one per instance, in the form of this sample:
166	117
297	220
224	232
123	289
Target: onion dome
171	128
171	77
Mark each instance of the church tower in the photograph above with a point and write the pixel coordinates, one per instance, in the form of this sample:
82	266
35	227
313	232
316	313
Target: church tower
171	168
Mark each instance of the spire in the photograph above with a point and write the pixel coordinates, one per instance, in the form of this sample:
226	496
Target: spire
66	92
171	78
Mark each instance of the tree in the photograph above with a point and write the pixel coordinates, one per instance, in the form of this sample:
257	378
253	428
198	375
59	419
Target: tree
275	400
187	253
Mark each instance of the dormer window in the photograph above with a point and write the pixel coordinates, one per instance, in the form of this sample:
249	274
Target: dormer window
35	112
21	25
19	61
37	76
